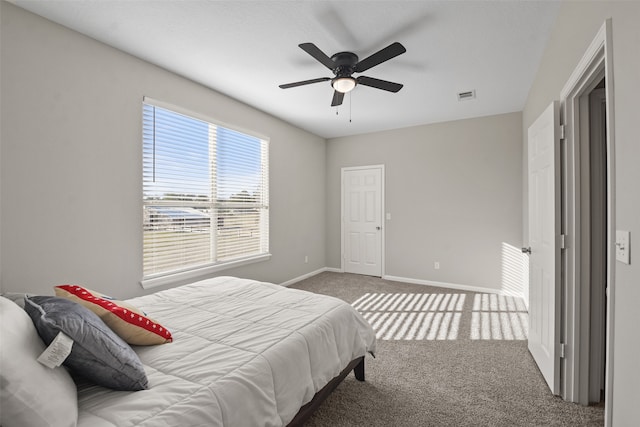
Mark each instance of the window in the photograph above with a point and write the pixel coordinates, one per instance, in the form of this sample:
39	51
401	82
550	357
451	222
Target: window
205	195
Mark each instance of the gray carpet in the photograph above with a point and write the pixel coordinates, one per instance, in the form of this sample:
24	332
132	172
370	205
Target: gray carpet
444	358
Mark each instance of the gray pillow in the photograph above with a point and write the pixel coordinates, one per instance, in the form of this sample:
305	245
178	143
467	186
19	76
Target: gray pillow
31	394
98	354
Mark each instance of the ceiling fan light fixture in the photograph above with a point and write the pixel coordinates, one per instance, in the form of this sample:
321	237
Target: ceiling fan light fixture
344	64
343	84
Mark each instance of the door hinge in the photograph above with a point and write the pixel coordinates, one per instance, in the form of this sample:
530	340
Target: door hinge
562	350
562	132
563	244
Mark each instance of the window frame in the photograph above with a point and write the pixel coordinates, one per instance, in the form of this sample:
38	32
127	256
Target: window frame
186	273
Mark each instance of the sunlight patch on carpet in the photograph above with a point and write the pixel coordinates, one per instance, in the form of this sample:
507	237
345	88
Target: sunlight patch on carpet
444	316
412	316
498	317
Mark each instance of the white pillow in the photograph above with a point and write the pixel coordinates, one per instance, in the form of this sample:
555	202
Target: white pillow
31	394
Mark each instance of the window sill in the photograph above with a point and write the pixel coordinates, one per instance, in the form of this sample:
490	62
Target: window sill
176	277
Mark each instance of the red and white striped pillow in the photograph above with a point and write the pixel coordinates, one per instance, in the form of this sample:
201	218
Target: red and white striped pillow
131	324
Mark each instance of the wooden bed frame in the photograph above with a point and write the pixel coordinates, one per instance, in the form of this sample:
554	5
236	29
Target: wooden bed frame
357	365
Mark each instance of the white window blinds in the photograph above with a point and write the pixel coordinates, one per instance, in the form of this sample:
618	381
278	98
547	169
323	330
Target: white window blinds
205	193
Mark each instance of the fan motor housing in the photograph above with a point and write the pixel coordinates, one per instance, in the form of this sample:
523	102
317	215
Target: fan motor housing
345	63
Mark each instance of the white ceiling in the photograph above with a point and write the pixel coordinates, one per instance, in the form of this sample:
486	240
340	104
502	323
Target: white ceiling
245	49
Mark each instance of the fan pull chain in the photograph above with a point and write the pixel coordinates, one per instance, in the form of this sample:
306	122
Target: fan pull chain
350	106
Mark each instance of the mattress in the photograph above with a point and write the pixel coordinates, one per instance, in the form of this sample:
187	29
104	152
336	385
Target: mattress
245	353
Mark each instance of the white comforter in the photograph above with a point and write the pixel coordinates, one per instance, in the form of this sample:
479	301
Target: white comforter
245	353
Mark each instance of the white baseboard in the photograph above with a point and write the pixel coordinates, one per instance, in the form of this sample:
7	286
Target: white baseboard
406	280
304	276
444	285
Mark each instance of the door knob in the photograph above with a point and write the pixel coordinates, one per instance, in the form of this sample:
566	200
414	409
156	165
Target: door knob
378	228
526	251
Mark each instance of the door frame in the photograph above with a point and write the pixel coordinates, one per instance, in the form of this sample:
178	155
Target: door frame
596	63
382	216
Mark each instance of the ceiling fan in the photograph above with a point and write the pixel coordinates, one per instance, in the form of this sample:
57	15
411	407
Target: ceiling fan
344	64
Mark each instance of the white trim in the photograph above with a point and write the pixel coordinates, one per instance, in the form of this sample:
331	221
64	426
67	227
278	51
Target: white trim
448	285
304	276
200	116
611	213
596	60
590	57
383	223
406	280
175	278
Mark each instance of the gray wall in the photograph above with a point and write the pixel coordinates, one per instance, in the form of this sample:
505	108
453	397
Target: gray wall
576	27
71	163
70	174
453	190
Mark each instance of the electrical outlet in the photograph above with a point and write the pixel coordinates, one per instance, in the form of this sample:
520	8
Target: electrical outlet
436	265
306	259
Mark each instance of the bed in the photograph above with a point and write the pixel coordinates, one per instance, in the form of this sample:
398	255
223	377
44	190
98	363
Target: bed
244	353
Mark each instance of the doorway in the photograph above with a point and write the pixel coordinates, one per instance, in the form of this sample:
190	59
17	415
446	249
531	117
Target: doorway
595	245
574	312
362	213
588	221
585	174
585	213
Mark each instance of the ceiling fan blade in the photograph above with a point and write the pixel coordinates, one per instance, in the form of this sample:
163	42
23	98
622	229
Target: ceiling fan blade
379	84
391	51
304	82
337	98
319	55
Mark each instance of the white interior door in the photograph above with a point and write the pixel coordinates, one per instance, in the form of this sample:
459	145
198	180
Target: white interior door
362	220
544	258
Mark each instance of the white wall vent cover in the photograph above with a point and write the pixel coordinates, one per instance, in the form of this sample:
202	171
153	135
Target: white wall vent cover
463	96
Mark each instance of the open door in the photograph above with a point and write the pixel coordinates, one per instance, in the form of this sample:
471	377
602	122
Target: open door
544	238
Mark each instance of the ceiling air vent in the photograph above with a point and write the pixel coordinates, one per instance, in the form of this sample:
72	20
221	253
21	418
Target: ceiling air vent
463	96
